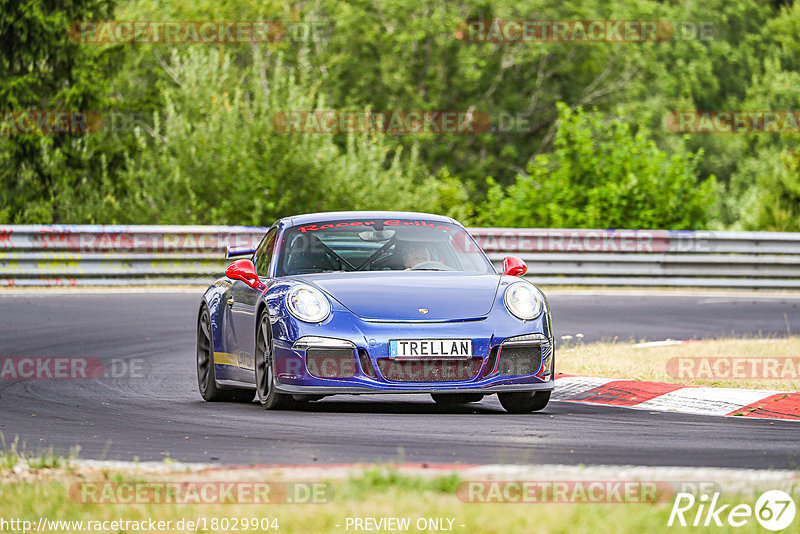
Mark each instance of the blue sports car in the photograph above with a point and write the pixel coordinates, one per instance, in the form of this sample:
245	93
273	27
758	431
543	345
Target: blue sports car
373	302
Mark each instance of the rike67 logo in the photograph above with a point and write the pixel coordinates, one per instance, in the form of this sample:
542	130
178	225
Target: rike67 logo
774	510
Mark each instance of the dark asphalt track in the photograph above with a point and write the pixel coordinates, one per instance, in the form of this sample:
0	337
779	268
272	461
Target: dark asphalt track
163	415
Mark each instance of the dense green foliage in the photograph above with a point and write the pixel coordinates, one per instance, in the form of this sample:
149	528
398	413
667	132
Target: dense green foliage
41	69
590	146
601	175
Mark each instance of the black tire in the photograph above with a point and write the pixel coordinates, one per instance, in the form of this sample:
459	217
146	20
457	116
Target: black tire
206	377
265	390
526	402
456	398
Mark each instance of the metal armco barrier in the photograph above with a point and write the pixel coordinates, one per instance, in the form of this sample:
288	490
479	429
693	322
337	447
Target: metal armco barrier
147	255
649	257
118	255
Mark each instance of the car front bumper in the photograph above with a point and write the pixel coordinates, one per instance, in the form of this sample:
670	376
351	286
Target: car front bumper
429	388
371	370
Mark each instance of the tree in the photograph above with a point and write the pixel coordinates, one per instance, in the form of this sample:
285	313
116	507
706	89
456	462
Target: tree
602	174
43	70
214	155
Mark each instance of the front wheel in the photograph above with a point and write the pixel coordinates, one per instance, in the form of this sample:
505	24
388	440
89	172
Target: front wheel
206	376
526	402
265	379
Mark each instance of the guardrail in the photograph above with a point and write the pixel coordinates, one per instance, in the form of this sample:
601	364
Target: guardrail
146	255
118	255
650	257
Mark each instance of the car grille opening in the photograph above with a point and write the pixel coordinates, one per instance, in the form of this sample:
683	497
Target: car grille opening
517	360
331	363
429	370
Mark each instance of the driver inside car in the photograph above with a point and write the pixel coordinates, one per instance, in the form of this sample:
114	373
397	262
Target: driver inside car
416	255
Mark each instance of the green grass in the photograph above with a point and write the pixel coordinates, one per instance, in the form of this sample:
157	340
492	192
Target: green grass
376	492
16	454
381	479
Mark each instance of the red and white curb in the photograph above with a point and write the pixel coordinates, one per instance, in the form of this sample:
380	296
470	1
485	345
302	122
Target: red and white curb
663	397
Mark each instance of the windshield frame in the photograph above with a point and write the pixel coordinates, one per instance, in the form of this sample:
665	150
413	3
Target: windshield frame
288	231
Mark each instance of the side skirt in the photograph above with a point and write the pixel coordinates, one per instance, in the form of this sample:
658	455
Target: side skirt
227	384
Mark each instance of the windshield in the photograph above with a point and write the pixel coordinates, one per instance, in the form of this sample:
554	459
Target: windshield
379	245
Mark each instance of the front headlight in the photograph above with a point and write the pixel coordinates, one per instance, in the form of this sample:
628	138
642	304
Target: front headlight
308	304
523	300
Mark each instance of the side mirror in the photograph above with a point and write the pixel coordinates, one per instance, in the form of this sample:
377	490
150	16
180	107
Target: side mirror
514	266
243	270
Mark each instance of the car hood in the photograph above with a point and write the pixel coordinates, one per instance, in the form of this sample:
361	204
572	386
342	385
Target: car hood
401	295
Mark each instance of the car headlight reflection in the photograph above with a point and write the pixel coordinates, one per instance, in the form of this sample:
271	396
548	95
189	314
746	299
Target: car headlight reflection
308	304
523	300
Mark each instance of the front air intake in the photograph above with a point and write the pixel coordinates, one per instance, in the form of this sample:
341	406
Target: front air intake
331	363
517	360
523	355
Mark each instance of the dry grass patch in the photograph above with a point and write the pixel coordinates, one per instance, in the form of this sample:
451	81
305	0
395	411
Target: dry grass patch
747	363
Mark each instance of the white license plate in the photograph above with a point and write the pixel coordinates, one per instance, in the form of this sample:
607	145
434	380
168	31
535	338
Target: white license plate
430	348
